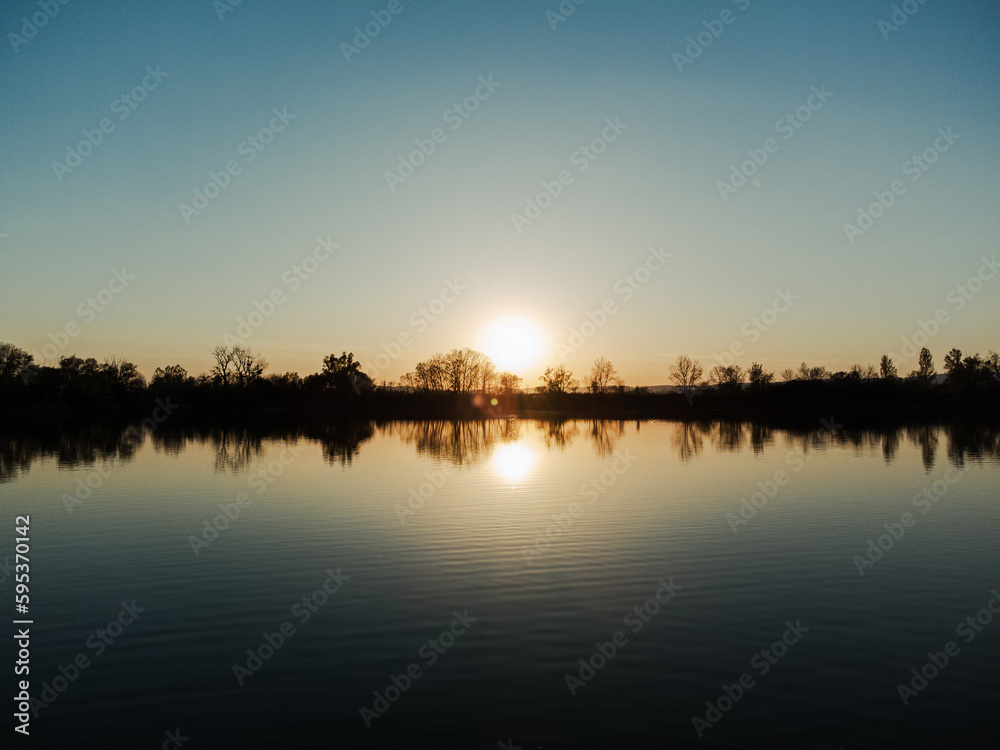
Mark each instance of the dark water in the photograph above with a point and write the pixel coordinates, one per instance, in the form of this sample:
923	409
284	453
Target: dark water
462	600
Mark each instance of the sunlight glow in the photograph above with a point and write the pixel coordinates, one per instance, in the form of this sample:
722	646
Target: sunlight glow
513	461
513	343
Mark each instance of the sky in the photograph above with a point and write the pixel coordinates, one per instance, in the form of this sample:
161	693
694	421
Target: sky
628	180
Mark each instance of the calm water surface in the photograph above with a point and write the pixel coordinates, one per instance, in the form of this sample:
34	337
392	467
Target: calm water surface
441	582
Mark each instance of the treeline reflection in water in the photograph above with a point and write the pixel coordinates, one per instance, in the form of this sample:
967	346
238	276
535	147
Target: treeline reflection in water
467	442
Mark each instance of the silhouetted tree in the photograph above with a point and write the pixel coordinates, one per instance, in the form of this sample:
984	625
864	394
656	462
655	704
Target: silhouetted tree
464	369
686	372
857	373
120	377
222	371
433	373
486	376
169	378
758	377
953	361
813	373
966	374
975	370
992	364
287	385
788	375
429	375
16	369
12	361
80	378
925	368
602	376
460	370
508	382
343	375
247	366
557	380
726	378
887	370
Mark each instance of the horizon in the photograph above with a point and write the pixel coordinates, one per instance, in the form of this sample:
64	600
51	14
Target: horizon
580	376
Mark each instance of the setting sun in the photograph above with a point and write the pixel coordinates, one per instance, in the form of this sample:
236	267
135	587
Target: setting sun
513	343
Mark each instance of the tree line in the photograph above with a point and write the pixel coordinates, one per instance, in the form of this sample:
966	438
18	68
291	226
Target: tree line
460	371
236	369
239	375
964	372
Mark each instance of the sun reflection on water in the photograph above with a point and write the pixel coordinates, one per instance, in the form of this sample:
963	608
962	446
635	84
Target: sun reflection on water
513	461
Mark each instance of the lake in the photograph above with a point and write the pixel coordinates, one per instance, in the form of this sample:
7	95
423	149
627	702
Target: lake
509	583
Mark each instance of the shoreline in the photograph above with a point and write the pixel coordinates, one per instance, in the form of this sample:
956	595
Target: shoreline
241	410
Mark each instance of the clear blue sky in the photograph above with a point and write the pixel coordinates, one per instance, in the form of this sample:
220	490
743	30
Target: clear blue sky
656	184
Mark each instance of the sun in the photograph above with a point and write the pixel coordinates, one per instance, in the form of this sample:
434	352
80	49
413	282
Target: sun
513	343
